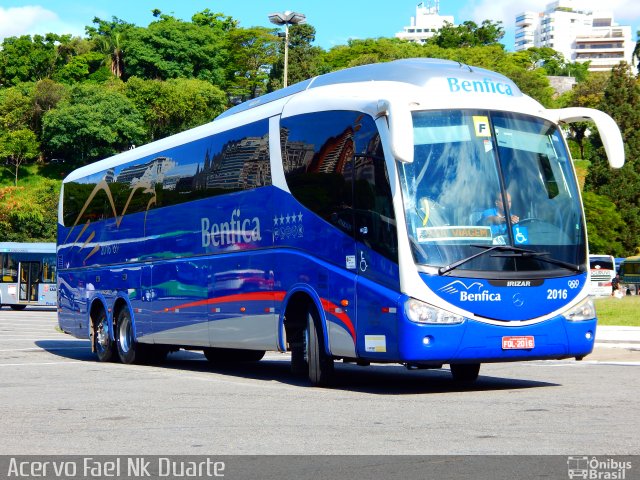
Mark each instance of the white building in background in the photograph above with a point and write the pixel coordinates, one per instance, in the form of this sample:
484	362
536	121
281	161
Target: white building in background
426	23
579	34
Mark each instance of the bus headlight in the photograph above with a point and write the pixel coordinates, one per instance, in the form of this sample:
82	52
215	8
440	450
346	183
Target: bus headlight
421	312
585	310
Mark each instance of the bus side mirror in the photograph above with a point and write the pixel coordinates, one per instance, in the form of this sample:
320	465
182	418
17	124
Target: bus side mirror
400	129
609	131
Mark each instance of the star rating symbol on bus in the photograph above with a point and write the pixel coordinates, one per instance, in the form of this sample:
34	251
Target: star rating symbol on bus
288	226
288	219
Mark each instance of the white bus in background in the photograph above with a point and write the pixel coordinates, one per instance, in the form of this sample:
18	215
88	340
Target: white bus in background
27	274
603	271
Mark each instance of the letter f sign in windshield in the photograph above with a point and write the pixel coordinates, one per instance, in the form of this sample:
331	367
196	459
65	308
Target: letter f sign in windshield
481	126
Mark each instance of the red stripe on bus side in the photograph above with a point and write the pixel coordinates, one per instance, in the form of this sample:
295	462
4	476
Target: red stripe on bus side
328	306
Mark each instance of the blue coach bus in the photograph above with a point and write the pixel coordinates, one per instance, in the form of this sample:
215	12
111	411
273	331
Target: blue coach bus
27	274
420	212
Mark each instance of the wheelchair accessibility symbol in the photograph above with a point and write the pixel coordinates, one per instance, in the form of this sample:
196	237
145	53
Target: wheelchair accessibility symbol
520	235
363	263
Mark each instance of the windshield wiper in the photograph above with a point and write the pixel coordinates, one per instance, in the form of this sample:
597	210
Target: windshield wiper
516	252
452	266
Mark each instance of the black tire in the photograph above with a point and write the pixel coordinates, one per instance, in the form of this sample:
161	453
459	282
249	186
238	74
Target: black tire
232	355
125	339
299	365
465	372
321	371
18	307
103	344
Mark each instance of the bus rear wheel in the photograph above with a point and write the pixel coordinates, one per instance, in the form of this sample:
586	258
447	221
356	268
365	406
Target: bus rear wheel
102	342
125	341
465	372
18	307
232	355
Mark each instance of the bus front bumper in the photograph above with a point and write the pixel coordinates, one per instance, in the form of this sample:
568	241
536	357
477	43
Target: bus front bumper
475	341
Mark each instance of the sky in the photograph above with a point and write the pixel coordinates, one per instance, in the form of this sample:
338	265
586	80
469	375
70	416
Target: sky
335	21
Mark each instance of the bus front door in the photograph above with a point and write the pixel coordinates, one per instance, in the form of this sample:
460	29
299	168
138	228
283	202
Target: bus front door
29	278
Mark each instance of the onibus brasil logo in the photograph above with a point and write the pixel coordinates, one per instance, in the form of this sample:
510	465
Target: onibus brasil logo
598	469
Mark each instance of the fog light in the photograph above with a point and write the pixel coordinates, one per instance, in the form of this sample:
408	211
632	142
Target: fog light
427	340
589	335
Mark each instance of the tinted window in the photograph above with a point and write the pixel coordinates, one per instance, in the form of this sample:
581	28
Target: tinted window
328	156
318	151
230	161
373	205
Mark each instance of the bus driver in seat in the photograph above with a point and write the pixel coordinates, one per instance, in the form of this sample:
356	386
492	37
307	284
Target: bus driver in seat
495	217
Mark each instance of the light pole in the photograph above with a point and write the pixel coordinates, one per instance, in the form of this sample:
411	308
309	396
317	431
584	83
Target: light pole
287	18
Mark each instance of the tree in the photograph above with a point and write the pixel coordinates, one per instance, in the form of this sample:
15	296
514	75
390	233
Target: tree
468	34
363	52
110	40
26	214
553	63
588	93
18	147
80	68
172	48
175	105
27	59
252	51
15	107
304	59
604	225
216	21
621	100
94	122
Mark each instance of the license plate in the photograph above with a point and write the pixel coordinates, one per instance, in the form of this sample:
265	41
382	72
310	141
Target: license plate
518	343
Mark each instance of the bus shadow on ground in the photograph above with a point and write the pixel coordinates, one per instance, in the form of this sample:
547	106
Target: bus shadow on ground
375	379
69	349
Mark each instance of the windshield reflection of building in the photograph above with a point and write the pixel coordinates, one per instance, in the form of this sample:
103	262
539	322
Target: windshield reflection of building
152	172
333	155
296	154
239	164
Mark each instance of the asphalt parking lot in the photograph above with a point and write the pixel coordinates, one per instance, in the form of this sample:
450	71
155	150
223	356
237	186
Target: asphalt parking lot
55	398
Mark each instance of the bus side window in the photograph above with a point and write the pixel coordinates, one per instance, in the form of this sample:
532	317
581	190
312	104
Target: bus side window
318	150
9	269
328	158
373	205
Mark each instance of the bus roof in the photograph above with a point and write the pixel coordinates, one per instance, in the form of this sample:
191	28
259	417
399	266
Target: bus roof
412	71
24	247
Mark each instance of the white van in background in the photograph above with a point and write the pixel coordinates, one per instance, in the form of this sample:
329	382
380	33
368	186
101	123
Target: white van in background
603	271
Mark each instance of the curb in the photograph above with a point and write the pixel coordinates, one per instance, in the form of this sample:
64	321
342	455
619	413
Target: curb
616	336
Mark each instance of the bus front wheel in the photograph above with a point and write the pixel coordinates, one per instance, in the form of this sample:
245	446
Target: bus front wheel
465	372
18	307
320	364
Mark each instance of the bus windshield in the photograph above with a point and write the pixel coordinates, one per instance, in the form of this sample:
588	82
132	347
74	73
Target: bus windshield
491	191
